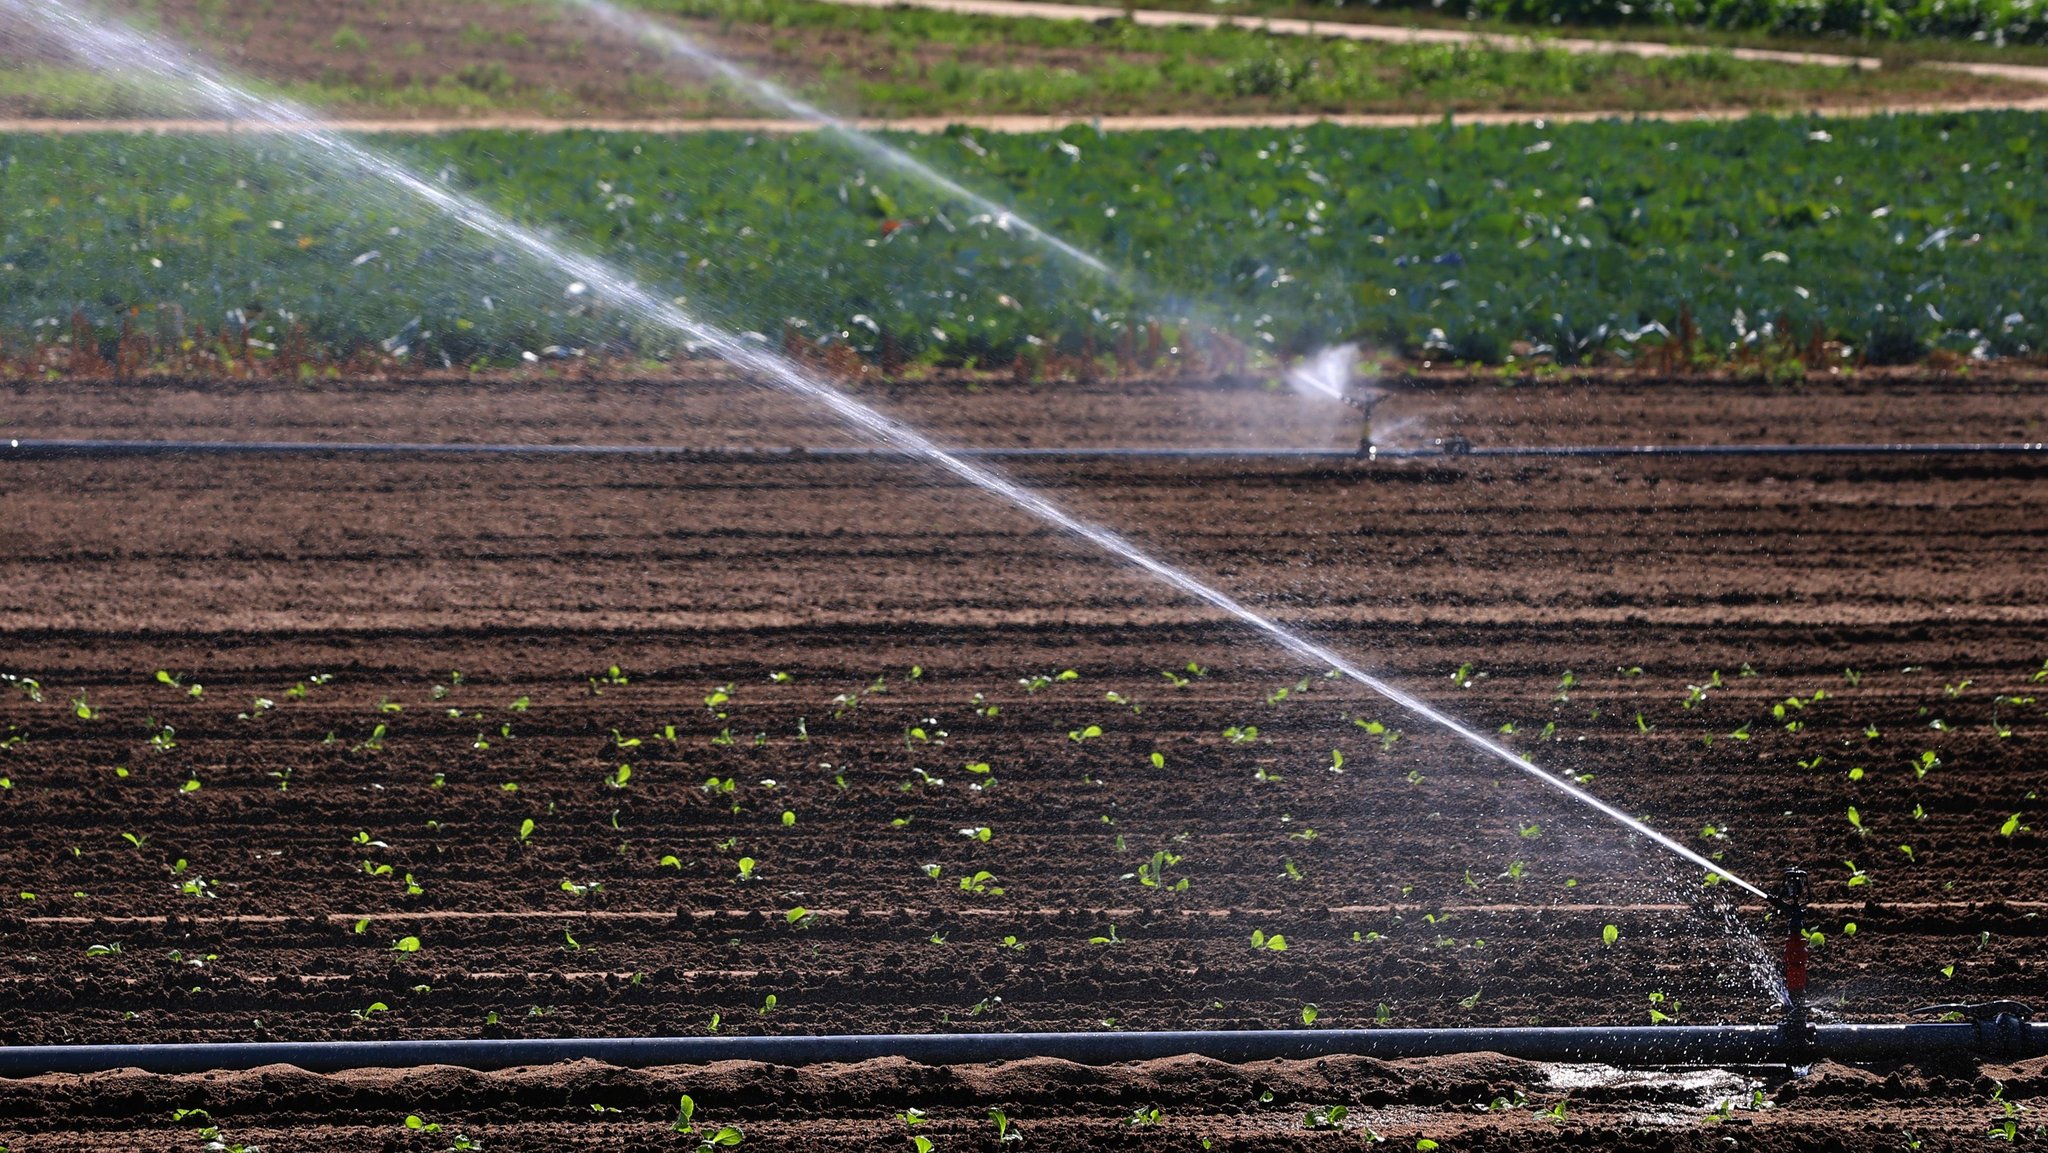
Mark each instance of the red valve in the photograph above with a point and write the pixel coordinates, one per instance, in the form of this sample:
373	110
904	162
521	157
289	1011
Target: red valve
1795	963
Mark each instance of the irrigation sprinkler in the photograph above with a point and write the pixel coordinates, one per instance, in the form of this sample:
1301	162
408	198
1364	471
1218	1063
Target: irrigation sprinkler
1791	902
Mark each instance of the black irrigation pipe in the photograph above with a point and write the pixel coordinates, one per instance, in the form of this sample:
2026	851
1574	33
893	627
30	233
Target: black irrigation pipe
37	448
2004	1037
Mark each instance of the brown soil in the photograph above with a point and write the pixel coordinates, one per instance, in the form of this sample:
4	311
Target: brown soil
251	575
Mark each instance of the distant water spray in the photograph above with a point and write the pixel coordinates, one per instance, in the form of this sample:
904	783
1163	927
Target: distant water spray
115	48
1329	372
766	93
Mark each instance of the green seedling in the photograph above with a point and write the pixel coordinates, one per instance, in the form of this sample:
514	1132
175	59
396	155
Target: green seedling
1609	935
1331	1117
1110	939
1151	874
1663	1009
1388	736
1084	734
746	867
1144	1116
1006	1130
981	883
619	777
406	945
686	1124
2012	827
1241	734
1309	1013
799	917
526	828
1274	943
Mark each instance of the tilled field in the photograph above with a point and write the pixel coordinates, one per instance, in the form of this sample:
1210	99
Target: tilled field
438	747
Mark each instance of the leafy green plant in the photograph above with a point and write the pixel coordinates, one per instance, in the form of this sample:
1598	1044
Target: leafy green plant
1274	943
981	882
709	1140
1006	1130
1327	1117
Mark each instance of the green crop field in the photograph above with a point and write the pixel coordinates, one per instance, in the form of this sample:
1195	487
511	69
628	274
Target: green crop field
1452	241
1990	22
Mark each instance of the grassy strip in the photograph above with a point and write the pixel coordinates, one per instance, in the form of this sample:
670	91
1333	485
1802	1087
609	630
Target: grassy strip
1942	32
922	63
1461	242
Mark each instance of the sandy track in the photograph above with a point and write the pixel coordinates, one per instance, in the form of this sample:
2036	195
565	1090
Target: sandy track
1016	124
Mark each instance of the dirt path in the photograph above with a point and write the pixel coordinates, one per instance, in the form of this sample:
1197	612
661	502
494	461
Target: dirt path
1017	124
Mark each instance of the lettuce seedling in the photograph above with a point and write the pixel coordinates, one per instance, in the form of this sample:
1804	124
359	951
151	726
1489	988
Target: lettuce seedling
1329	1118
1275	943
1006	1131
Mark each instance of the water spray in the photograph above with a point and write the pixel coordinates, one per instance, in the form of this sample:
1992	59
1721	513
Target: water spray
1996	1028
113	46
767	93
1319	368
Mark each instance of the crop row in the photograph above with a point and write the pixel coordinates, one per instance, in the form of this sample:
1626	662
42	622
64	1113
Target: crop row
1886	788
1463	242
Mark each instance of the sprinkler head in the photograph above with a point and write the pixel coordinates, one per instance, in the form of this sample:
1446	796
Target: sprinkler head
1791	897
